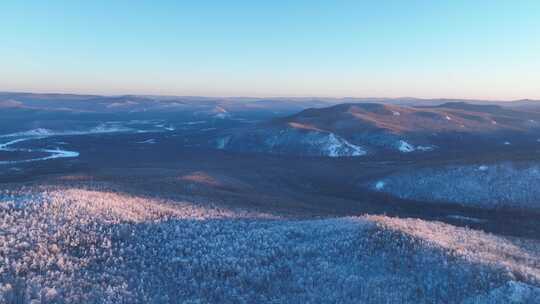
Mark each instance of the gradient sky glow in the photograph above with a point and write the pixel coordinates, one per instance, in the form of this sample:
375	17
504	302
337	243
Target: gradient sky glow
456	49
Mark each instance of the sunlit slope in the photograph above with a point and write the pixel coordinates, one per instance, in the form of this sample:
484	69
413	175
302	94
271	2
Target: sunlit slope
94	243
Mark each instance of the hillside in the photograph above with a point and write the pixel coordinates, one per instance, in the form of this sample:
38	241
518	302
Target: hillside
499	185
62	243
359	129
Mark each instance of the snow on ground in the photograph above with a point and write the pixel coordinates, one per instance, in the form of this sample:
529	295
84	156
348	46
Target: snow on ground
166	127
148	141
337	146
96	244
222	115
198	122
425	148
104	128
222	142
405	147
320	143
292	141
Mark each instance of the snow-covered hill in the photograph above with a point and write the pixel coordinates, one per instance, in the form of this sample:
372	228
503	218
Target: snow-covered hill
94	244
291	141
513	185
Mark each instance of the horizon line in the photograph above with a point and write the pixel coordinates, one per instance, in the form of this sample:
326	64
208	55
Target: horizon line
264	97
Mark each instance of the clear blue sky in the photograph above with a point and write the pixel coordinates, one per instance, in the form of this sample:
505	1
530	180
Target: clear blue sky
470	49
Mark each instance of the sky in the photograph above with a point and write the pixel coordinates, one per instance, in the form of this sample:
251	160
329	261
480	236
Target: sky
428	49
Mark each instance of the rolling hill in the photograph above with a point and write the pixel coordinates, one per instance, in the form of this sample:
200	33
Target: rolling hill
356	129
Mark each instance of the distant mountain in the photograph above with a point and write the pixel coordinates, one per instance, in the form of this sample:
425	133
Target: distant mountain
355	129
152	103
60	112
349	119
304	126
138	103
